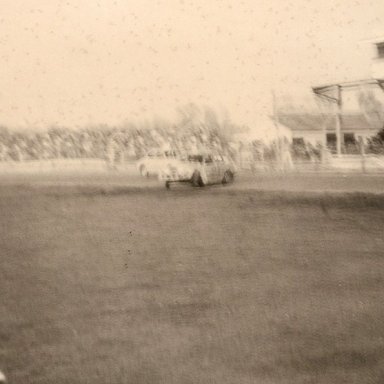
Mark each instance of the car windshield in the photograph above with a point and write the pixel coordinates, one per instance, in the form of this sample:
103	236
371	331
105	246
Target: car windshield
195	158
154	153
160	153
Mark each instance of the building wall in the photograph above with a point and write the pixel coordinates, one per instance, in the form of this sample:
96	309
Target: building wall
376	47
365	134
377	68
313	137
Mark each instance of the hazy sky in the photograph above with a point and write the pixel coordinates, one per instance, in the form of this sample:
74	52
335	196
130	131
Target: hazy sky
75	62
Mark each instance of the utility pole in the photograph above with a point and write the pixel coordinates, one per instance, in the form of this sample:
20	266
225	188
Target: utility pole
339	104
362	153
325	121
276	122
327	93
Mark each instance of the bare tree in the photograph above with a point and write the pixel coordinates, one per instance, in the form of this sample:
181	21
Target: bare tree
371	106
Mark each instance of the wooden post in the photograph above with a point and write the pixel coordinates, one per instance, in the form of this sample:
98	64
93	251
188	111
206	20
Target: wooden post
277	141
362	152
324	142
338	121
325	120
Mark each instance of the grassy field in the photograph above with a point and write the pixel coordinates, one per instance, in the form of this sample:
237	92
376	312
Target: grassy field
190	286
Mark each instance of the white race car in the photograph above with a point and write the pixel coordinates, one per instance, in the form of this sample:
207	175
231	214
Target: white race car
199	170
154	161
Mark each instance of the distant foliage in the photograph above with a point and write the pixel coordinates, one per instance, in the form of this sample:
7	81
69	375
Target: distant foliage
371	106
376	143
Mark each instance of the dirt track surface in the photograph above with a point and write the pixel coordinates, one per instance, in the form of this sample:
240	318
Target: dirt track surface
310	182
117	284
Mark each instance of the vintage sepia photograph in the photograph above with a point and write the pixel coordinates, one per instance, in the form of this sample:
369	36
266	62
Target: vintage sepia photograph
191	192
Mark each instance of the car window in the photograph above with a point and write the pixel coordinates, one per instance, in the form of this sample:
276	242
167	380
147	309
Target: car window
195	158
218	158
155	153
170	154
151	153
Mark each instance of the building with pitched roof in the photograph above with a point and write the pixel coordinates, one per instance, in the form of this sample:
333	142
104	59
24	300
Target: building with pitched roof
320	129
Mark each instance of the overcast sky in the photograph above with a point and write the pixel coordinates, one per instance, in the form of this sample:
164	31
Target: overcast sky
105	61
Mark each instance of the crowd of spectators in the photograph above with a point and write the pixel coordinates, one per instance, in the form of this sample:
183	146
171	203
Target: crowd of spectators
101	143
119	145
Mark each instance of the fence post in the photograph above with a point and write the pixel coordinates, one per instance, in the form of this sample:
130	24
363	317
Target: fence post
362	153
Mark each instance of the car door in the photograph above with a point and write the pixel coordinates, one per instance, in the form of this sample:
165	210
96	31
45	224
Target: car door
161	160
220	168
152	161
210	169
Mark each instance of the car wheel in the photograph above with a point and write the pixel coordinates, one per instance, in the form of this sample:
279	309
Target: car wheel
228	177
144	171
196	180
